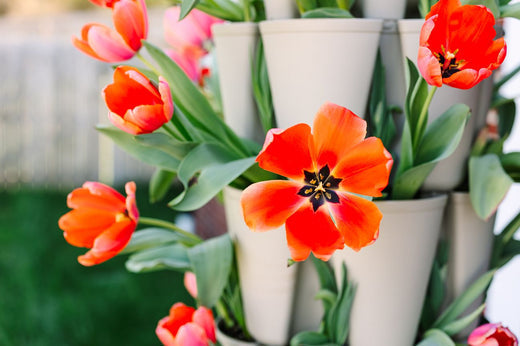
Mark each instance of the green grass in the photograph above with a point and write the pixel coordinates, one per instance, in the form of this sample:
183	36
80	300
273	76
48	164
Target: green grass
48	298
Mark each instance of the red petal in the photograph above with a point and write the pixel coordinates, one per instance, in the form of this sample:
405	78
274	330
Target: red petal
429	67
100	197
308	231
357	219
108	44
164	335
191	334
443	8
82	226
466	78
109	243
204	318
146	118
365	169
287	152
268	204
180	314
131	204
336	130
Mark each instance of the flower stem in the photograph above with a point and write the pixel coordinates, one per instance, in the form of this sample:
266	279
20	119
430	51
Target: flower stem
422	119
171	226
147	63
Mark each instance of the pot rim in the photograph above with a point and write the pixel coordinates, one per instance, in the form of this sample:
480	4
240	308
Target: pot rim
321	25
426	202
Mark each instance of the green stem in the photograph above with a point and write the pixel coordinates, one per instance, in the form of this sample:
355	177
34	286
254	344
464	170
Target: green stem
246	7
147	63
171	226
422	120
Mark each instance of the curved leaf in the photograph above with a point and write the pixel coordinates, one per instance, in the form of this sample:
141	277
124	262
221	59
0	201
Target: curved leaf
173	257
327	12
436	337
149	238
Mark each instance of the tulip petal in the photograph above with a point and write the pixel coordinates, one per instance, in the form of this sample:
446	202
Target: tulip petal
108	44
308	231
166	337
191	334
365	169
123	124
96	198
336	130
358	220
429	67
186	32
286	152
267	205
204	318
166	98
82	226
146	118
109	243
131	204
130	22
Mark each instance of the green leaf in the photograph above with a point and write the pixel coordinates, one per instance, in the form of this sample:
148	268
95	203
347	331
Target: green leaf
192	103
440	140
337	319
327	297
211	261
167	144
149	238
262	89
503	80
502	240
459	325
443	135
306	5
325	274
149	155
223	9
510	10
327	12
204	172
488	184
511	164
309	338
464	300
160	183
506	117
173	257
436	337
186	7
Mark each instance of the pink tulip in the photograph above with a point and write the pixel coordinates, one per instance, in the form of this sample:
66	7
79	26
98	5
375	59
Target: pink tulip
131	26
186	326
193	30
492	334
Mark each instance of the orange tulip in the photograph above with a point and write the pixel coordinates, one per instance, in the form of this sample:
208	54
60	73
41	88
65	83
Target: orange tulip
136	105
105	44
104	3
458	46
186	326
492	334
327	168
102	220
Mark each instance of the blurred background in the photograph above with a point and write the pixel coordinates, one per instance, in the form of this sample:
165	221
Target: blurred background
50	102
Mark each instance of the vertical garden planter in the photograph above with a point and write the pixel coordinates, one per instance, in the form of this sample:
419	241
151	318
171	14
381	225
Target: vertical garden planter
389	9
266	283
450	172
235	45
392	274
280	9
311	61
470	241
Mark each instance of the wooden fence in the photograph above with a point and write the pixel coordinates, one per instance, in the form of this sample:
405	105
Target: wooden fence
50	102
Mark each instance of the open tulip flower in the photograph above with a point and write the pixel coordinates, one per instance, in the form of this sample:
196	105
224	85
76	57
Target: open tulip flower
136	105
102	220
187	326
326	168
492	334
105	44
458	46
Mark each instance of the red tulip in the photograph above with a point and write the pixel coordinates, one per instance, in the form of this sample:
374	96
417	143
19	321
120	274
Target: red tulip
186	326
104	3
327	168
102	220
131	26
492	334
136	105
458	46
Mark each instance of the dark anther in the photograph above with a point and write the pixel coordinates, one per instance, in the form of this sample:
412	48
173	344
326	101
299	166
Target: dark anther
320	187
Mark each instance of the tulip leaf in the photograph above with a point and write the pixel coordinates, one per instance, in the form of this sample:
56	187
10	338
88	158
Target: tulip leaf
262	89
186	7
488	184
506	115
173	257
459	325
223	9
150	238
148	154
464	300
436	337
338	317
211	261
511	164
205	171
510	10
192	103
502	240
440	141
309	338
166	144
327	12
160	183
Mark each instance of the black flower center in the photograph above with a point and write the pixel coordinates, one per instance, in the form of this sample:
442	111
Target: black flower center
320	187
449	63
